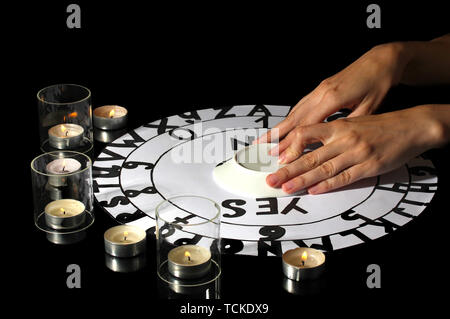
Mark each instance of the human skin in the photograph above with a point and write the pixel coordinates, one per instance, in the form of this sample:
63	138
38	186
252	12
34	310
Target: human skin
362	145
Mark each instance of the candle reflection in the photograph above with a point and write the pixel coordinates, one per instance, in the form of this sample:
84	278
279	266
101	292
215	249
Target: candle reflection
125	265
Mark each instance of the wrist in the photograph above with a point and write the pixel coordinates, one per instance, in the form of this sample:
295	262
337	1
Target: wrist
396	56
436	126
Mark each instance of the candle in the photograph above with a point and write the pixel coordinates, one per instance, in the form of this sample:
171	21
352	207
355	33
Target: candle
189	261
65	136
110	117
61	166
125	241
303	263
64	214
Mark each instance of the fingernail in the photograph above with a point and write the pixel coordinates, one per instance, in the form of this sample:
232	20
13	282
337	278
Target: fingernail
282	159
288	187
272	179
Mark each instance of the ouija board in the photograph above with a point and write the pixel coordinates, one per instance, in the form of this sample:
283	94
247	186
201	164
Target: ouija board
137	171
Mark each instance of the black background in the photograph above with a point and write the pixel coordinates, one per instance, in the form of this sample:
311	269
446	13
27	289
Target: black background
158	60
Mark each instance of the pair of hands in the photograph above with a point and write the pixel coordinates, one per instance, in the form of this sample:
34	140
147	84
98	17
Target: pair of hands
360	146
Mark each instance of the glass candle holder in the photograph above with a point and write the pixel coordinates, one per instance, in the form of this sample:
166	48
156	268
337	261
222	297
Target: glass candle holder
65	118
62	194
188	244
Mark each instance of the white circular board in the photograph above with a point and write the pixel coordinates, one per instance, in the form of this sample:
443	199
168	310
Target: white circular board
177	155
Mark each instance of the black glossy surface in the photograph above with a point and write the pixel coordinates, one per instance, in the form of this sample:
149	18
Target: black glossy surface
162	61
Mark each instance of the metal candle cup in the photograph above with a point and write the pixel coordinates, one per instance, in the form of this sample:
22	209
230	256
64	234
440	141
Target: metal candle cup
110	117
189	261
65	136
303	263
65	214
125	241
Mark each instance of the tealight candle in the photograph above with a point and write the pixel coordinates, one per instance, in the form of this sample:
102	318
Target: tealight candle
125	241
189	261
303	263
65	136
110	117
61	166
64	214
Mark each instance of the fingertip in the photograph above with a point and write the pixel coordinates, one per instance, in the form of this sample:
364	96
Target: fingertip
288	187
272	180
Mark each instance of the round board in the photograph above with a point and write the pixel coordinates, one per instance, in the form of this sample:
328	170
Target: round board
176	155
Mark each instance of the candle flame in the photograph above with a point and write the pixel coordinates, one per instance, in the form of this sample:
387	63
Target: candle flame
125	234
111	113
188	255
304	256
63	128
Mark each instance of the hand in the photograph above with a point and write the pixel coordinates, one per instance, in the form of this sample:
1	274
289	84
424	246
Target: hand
359	147
361	87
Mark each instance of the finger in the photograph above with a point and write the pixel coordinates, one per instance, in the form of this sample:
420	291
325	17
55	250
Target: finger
284	127
322	172
278	131
299	138
305	163
280	147
344	178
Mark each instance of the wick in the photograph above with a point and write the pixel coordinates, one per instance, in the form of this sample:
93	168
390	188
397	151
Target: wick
63	169
111	116
303	262
67	132
64	212
124	238
189	258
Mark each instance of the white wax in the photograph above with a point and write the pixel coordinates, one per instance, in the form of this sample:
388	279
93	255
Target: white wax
197	255
314	258
64	208
124	234
66	130
63	166
110	111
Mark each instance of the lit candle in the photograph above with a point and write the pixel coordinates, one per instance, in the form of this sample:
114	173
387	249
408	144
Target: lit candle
110	117
64	214
189	261
303	263
125	241
65	136
61	166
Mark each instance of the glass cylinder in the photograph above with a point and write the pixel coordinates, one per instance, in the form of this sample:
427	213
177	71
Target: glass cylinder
188	246
63	195
65	118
